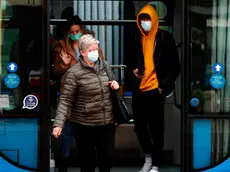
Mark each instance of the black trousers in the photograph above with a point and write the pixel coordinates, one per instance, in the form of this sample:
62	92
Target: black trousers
148	114
96	146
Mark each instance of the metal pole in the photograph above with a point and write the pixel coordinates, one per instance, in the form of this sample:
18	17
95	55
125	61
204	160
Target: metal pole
184	87
122	76
122	68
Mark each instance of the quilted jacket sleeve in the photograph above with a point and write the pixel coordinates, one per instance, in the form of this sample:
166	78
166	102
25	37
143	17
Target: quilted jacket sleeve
66	100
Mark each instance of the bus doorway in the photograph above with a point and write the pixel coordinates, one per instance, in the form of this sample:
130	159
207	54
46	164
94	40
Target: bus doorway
114	31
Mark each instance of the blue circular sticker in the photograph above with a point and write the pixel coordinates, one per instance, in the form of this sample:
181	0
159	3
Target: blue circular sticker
194	102
30	102
217	81
217	68
12	80
12	67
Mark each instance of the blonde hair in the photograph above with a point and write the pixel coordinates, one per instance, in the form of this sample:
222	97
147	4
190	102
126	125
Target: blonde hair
86	40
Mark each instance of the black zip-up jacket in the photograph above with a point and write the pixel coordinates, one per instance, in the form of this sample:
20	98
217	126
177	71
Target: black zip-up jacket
166	60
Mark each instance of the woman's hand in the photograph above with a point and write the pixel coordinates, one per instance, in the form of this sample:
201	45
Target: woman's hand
114	85
57	132
65	57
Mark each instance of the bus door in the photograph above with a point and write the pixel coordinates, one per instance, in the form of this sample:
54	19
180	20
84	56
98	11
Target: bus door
24	100
205	85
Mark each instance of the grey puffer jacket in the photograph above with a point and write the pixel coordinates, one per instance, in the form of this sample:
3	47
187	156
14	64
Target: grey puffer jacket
87	95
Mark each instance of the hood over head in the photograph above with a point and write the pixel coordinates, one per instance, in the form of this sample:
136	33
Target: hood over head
151	12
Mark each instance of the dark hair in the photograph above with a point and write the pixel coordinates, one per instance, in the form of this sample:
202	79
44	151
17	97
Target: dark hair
74	20
67	12
144	15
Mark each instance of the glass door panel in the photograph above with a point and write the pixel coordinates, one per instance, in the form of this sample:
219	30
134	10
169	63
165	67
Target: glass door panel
22	84
210	142
209	85
210	59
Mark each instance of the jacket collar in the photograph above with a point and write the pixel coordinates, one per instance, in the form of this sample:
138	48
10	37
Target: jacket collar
97	67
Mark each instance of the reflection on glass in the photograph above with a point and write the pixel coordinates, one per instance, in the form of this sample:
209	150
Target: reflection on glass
21	36
7	10
210	38
220	140
211	142
21	43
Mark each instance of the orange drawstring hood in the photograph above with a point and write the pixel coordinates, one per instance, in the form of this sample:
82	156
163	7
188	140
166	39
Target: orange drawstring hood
149	81
148	9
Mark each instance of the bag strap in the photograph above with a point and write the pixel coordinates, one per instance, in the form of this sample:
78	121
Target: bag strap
107	71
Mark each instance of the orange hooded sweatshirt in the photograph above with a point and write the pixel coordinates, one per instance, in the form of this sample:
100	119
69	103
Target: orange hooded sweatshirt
149	81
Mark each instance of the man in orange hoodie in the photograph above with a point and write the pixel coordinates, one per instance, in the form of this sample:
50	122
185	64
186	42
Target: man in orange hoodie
155	67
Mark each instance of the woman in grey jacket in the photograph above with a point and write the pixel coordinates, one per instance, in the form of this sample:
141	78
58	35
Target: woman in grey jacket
86	94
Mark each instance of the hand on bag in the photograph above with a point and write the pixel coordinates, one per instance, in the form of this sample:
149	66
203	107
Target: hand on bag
135	72
57	132
65	58
114	85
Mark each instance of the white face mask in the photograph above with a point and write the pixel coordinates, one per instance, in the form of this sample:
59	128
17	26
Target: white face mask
146	25
93	56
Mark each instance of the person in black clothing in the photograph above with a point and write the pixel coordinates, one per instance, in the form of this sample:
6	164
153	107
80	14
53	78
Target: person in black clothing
155	67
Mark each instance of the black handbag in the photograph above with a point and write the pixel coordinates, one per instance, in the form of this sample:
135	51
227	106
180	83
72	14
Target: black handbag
121	112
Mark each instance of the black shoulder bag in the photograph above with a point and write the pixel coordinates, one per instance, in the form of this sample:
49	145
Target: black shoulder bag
121	112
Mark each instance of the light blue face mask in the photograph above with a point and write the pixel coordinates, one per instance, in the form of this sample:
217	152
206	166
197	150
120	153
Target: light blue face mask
146	25
75	37
93	56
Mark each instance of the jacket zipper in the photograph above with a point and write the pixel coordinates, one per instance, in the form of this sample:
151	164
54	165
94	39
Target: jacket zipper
102	98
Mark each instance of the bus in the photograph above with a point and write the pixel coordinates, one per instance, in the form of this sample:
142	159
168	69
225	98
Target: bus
197	118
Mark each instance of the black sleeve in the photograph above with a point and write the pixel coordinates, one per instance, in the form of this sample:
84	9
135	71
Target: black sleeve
171	62
134	48
174	68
